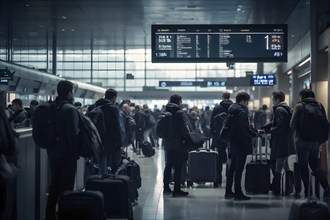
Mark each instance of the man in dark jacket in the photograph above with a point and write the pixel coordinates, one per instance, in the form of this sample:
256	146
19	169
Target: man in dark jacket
175	151
140	120
63	155
20	114
222	107
112	141
240	146
281	133
307	149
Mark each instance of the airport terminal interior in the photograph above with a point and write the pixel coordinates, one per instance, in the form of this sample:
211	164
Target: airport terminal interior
147	51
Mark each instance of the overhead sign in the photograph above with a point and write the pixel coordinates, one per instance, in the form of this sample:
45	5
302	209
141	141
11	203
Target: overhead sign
192	83
263	80
181	43
6	76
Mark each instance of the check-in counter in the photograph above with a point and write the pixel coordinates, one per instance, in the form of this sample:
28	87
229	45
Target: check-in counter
33	177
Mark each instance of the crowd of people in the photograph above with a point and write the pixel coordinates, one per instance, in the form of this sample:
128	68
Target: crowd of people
127	125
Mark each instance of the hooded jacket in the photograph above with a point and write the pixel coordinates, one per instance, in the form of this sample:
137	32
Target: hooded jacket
181	129
241	142
222	107
112	141
280	130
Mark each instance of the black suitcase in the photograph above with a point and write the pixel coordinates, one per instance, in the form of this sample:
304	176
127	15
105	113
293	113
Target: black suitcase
203	166
87	205
116	192
257	175
310	208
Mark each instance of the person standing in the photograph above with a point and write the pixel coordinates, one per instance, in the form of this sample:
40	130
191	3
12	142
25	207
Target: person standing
281	134
20	114
240	146
175	151
63	155
309	137
112	139
216	144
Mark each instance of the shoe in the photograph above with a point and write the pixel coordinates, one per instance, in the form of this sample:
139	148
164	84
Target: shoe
167	191
179	193
241	197
229	195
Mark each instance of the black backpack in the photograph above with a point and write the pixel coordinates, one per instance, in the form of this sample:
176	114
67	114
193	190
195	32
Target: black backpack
44	132
97	117
164	128
150	122
227	130
90	144
217	122
313	123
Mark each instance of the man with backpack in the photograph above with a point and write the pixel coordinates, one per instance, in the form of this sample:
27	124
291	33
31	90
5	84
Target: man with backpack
140	120
174	146
310	123
281	133
109	130
240	146
63	153
215	126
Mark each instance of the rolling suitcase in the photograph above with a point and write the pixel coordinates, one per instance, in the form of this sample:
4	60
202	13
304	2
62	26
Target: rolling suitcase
203	166
257	175
310	208
87	205
116	192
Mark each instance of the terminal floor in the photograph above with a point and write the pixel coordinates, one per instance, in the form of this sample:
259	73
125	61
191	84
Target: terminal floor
203	203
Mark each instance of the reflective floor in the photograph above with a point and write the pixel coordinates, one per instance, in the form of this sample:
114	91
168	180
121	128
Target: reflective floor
203	203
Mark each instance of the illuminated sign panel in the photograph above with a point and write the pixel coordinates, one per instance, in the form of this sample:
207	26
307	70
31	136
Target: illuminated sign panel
263	80
219	43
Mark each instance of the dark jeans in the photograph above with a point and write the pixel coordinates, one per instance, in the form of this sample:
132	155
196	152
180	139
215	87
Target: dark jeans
221	147
308	154
63	173
112	160
173	159
235	168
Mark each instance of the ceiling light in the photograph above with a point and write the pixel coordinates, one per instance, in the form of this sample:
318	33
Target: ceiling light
27	5
290	71
304	74
63	29
63	17
72	29
304	62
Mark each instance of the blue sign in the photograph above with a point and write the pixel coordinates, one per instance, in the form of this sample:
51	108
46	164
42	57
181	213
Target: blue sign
263	80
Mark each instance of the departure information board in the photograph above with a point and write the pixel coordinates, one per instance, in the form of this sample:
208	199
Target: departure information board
219	43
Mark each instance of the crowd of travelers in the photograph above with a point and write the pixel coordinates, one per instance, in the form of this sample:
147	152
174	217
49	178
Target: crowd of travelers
128	125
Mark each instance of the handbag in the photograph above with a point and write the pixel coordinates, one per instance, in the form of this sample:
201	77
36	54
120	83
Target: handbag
194	141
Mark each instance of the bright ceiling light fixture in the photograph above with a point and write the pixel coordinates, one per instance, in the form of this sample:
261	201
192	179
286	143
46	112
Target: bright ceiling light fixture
304	62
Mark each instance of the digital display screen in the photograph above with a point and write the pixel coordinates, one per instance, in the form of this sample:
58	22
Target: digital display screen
192	83
263	80
219	43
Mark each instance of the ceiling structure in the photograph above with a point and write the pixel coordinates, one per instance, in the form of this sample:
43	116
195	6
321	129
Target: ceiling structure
127	23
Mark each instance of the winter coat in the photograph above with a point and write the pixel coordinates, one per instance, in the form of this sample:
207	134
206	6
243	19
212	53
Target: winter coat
281	133
112	141
180	128
241	142
222	107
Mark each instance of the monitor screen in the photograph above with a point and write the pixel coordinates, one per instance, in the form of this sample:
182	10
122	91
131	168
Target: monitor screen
219	43
263	80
